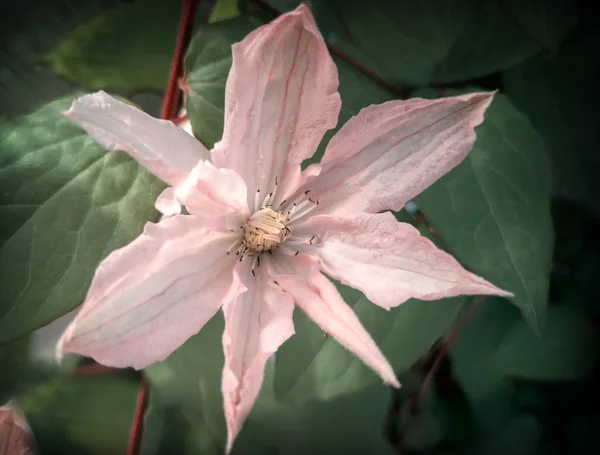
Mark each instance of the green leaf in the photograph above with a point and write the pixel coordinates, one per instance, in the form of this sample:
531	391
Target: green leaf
421	43
470	354
520	436
492	210
190	380
223	10
311	366
548	23
14	361
208	63
566	350
560	96
82	415
128	47
65	205
27	85
168	429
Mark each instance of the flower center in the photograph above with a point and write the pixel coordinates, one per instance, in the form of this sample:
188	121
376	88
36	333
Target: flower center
265	230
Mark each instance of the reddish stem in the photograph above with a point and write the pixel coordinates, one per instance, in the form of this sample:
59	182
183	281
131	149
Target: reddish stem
169	112
173	93
137	429
181	119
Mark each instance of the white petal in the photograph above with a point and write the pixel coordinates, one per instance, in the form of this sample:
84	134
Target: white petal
161	147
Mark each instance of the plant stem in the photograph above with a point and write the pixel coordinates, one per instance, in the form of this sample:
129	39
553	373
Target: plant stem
173	92
137	428
169	112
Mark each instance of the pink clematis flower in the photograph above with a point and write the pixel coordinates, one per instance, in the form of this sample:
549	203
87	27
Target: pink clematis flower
258	233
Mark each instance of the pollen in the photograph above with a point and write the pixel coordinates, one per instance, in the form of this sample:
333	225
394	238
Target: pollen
265	230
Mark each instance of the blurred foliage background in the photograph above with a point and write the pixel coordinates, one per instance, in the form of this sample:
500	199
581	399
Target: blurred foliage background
480	376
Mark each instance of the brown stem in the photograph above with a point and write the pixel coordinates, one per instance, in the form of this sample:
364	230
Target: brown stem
173	93
137	428
447	342
169	112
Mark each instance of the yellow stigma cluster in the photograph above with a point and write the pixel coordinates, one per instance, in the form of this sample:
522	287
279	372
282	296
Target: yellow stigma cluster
265	230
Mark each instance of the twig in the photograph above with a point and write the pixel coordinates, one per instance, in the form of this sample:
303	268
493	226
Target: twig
169	112
173	93
416	399
137	428
447	342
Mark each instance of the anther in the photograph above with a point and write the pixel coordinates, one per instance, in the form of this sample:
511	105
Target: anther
311	239
296	253
257	261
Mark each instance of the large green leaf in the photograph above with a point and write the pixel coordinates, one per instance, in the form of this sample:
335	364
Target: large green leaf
65	205
560	97
128	47
27	34
189	380
471	353
441	41
497	345
208	63
82	415
492	210
310	365
566	350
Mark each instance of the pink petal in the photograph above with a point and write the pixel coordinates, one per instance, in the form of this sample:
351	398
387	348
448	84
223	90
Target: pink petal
217	197
281	97
15	435
256	324
321	301
389	153
148	298
167	203
389	261
161	147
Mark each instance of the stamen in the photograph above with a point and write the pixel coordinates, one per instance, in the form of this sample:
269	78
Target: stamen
305	208
256	199
265	230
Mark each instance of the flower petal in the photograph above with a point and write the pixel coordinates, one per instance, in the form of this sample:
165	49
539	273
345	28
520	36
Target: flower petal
167	203
389	261
148	298
15	434
213	196
161	147
281	98
321	301
256	324
389	153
